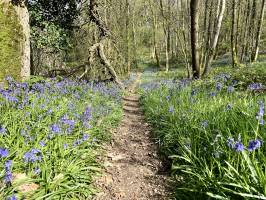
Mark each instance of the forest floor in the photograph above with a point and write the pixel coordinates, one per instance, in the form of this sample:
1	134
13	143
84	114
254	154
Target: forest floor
133	170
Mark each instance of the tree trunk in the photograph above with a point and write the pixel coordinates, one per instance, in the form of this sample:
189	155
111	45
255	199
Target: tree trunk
194	7
21	17
216	37
127	36
233	44
255	52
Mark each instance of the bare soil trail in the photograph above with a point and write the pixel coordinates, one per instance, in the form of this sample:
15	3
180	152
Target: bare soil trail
132	167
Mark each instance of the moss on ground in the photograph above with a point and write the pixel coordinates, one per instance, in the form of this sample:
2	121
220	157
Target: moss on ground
11	36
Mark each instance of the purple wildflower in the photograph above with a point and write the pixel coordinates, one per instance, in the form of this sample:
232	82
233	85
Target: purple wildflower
219	86
4	152
86	137
230	89
55	128
42	144
255	86
239	146
32	156
8	177
65	146
8	164
13	197
234	82
204	124
254	144
37	171
2	130
212	94
171	109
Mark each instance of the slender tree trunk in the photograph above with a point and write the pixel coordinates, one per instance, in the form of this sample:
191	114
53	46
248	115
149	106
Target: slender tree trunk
127	36
155	29
255	52
216	37
245	31
194	7
233	44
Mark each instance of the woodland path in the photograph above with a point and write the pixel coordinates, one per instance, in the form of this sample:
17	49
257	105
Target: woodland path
132	167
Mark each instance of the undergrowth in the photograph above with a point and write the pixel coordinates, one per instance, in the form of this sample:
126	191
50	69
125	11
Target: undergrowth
213	130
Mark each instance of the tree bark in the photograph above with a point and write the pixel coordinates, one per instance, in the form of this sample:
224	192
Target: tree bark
233	44
22	16
194	7
127	36
216	37
255	52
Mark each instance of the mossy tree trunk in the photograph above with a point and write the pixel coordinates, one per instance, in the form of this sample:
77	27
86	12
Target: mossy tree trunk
14	40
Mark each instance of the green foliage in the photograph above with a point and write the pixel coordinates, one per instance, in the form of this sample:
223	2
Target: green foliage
193	123
10	39
254	73
51	37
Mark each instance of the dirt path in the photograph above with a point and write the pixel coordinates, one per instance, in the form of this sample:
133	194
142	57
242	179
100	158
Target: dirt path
131	165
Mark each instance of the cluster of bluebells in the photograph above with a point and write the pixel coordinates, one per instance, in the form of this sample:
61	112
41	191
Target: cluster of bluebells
8	174
46	111
238	146
4	153
223	77
32	156
255	86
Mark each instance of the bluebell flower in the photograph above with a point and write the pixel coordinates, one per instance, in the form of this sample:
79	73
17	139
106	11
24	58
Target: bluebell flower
4	152
254	144
42	143
65	146
37	171
55	128
239	146
261	122
8	177
13	197
8	164
234	82
230	89
2	130
86	137
32	156
171	109
77	142
204	124
219	86
255	86
213	94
